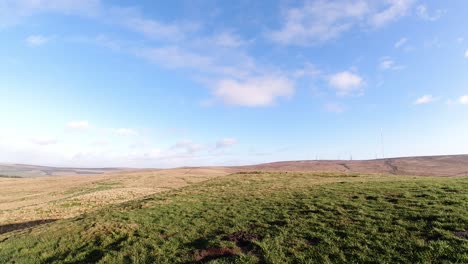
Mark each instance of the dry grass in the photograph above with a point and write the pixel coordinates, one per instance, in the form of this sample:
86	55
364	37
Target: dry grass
59	197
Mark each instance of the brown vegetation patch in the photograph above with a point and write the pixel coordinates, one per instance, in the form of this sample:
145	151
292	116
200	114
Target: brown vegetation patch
208	254
462	234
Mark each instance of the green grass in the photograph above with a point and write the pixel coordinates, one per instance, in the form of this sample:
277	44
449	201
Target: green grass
265	218
96	187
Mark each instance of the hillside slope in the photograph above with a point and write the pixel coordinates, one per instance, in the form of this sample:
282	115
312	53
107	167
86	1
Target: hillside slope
451	165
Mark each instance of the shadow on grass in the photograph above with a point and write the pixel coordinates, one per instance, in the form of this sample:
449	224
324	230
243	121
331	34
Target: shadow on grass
19	226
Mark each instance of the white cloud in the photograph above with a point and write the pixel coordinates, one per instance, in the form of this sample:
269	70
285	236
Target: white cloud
78	124
425	99
44	141
132	19
14	11
188	146
346	83
424	14
466	54
387	63
320	21
309	70
400	43
226	142
394	10
36	40
125	132
334	108
463	99
254	91
228	40
175	57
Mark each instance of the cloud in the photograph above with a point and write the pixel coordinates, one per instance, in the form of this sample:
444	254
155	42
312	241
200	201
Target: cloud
423	13
395	9
309	70
14	11
387	63
466	54
125	132
425	99
36	40
262	91
320	21
228	40
226	142
79	125
334	108
132	19
188	146
175	57
463	99
400	43
345	83
43	141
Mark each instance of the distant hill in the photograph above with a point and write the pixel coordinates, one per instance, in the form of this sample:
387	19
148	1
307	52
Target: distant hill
27	171
450	165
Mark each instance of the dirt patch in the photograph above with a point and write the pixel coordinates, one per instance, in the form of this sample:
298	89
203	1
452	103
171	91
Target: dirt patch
245	241
19	226
208	254
462	234
242	239
312	241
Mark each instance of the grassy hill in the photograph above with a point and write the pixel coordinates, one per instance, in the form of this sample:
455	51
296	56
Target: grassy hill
261	217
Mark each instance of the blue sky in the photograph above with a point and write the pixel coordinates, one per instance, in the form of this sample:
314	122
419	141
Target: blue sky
98	83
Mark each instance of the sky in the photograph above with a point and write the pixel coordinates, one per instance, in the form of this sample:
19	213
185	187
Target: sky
102	83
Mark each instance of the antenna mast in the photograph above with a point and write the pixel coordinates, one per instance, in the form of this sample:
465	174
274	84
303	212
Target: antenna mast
382	142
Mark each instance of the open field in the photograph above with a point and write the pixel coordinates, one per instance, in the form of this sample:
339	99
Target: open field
58	197
294	211
265	218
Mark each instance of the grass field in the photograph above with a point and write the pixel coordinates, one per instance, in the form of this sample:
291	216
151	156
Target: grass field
265	218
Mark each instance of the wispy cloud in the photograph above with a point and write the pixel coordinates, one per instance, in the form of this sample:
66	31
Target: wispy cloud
387	63
425	99
125	132
400	43
44	141
14	11
226	142
394	10
188	146
320	21
36	40
229	40
346	83
334	108
79	125
423	13
466	54
132	19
